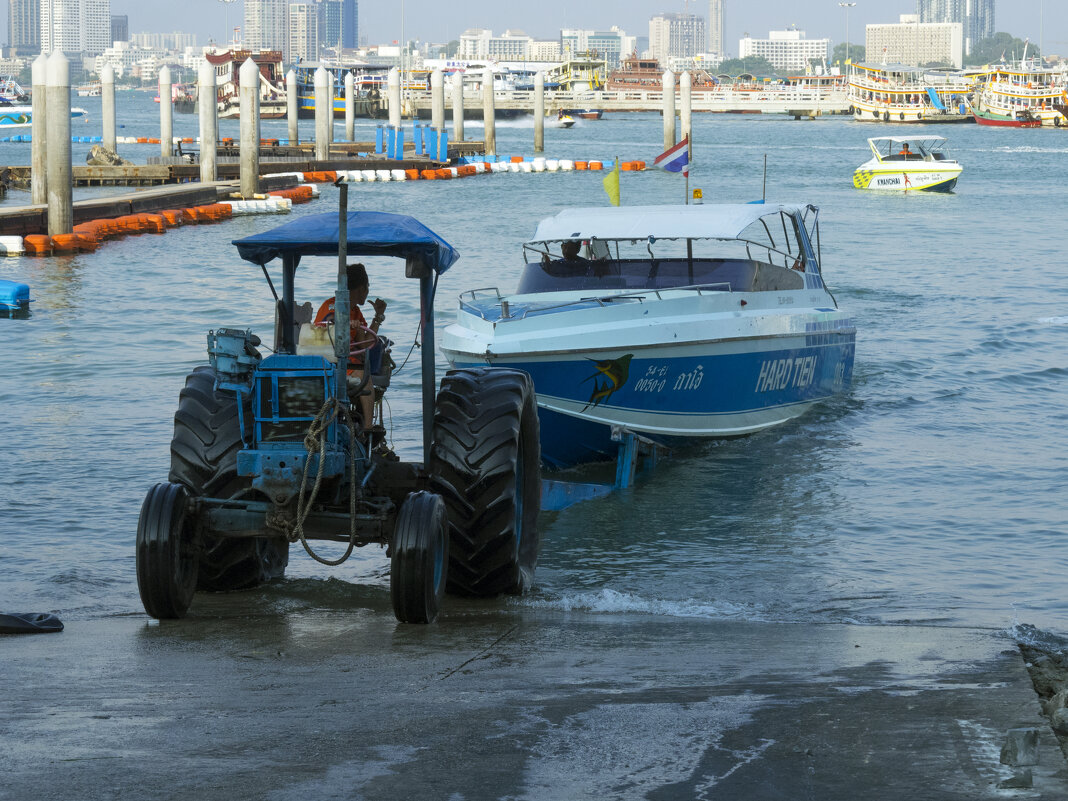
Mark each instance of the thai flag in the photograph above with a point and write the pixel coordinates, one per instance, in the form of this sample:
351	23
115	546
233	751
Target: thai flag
675	159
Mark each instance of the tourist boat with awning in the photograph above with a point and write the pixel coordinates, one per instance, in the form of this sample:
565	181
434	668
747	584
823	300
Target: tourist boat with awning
1023	91
227	65
672	323
908	164
901	94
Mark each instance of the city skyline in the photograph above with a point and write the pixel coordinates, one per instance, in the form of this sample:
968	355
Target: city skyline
1044	21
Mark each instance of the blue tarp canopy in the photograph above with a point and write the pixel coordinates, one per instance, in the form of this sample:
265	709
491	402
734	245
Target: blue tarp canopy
370	233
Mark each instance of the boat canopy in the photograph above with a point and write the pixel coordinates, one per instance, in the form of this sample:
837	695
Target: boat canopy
929	140
634	223
370	233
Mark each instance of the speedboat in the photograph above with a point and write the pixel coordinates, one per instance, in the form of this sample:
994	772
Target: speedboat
908	164
672	323
21	116
565	120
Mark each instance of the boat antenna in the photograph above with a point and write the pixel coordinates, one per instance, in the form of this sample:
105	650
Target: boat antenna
764	187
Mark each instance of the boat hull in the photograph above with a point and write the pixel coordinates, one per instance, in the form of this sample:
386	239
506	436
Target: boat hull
986	118
926	180
677	394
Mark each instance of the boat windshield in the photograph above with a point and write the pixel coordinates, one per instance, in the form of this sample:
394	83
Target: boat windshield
769	256
919	149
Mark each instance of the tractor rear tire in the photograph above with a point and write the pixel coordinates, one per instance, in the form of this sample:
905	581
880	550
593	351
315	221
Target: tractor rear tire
485	462
420	556
166	552
207	438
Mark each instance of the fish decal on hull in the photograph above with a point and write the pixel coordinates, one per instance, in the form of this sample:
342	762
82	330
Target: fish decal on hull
614	372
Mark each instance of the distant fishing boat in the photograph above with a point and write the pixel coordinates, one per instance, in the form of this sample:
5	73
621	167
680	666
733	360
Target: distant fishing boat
21	116
227	65
90	90
1024	118
11	92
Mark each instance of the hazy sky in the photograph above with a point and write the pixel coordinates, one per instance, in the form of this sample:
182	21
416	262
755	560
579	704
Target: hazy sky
432	20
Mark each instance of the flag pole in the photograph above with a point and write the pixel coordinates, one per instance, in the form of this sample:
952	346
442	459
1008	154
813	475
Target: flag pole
689	162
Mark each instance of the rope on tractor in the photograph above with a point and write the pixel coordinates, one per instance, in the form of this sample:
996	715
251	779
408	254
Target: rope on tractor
315	442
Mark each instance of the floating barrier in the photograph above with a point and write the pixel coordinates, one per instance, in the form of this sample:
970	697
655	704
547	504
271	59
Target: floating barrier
14	296
271	205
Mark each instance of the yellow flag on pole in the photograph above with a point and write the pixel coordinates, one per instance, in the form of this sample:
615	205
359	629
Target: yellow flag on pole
611	185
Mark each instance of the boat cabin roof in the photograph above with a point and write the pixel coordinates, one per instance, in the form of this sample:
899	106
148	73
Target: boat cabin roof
927	141
635	223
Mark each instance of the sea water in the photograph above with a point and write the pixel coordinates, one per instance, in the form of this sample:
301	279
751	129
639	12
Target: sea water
932	492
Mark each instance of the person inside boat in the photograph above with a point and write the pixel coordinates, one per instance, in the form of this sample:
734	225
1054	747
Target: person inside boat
364	337
570	262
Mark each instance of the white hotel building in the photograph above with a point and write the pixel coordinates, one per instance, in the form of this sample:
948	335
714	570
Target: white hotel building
75	26
789	50
915	43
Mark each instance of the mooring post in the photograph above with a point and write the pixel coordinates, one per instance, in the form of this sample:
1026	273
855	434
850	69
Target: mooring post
324	113
685	106
292	110
107	107
60	186
39	126
350	107
437	100
489	112
166	114
394	90
458	106
208	115
669	109
539	112
250	128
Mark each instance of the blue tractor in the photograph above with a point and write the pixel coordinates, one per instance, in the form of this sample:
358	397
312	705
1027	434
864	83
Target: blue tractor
270	451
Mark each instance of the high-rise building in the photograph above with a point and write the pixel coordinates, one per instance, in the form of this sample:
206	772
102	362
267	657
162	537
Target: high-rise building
975	16
265	25
914	43
330	23
788	50
75	26
717	31
676	36
120	28
303	44
350	24
611	45
24	25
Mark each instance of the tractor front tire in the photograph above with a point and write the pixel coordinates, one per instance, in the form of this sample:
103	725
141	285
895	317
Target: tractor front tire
166	554
419	560
485	462
207	438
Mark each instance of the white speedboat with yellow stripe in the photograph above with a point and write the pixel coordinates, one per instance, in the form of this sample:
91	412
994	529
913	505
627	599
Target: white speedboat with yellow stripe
908	164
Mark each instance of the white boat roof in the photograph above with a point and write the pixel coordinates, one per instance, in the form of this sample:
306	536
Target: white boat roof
907	139
707	221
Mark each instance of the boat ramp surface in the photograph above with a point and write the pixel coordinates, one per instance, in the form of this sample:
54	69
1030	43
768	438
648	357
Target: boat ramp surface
515	702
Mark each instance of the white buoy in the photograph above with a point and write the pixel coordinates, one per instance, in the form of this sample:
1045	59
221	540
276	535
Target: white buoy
669	109
250	127
166	114
208	114
324	113
38	129
60	186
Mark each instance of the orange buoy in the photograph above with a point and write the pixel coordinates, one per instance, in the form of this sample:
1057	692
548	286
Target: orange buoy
411	175
517	159
65	243
596	165
37	244
582	165
429	175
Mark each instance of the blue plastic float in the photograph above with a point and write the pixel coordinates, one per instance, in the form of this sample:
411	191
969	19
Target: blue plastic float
14	296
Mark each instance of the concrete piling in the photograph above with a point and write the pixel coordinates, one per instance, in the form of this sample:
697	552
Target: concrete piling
350	107
324	113
394	90
489	112
292	110
458	106
166	113
669	109
209	121
250	128
60	187
107	107
38	129
437	100
539	112
686	106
